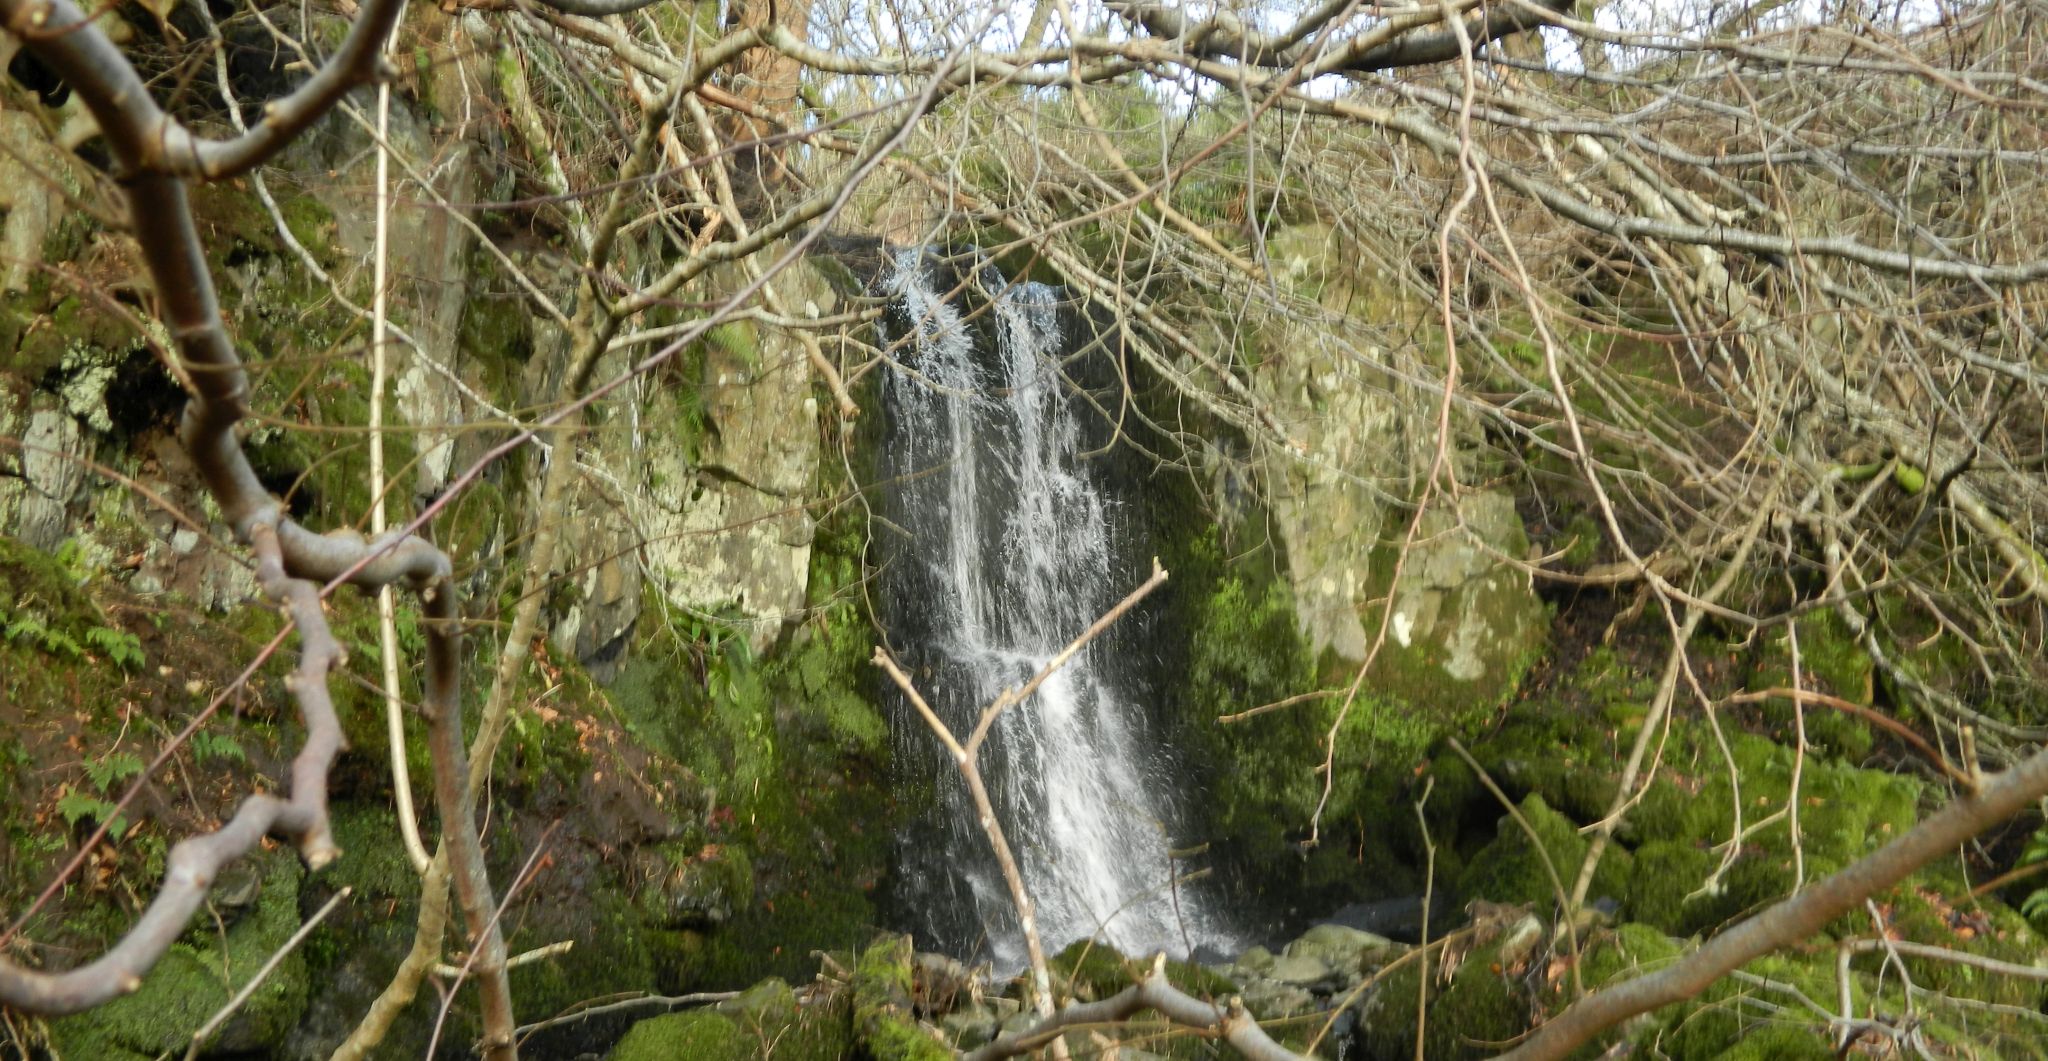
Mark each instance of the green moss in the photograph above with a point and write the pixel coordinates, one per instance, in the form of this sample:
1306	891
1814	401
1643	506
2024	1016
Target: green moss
324	475
616	949
371	863
196	977
792	753
1662	882
822	1030
1844	812
1831	661
1723	1017
1198	980
1626	952
764	1007
496	330
698	1034
1581	540
71	327
1510	869
35	584
1474	1016
1936	909
311	223
827	665
882	1018
1089	971
1554	752
1243	651
705	885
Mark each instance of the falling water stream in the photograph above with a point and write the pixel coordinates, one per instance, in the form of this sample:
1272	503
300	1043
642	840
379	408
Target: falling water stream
1005	554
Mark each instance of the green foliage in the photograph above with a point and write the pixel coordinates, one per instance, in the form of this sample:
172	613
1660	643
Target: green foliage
77	805
112	768
208	746
736	338
46	611
2035	906
119	646
33	629
105	773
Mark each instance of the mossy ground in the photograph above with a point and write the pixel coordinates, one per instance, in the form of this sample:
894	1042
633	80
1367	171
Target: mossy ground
195	979
1674	874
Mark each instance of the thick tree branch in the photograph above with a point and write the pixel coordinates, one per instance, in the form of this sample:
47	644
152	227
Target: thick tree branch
142	136
597	8
1388	46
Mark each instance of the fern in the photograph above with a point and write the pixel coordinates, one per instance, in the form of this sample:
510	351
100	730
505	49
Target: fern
30	627
206	746
2035	906
113	768
76	806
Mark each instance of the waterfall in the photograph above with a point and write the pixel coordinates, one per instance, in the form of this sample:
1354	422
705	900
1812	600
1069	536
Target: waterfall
1005	552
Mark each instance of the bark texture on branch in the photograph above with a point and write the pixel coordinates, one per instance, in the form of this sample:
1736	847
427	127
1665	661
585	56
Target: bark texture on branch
1224	37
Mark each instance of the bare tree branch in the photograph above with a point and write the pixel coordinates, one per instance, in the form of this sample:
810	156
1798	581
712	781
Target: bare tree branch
142	136
1225	37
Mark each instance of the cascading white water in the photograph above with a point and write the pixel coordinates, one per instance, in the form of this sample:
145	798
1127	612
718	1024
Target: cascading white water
1009	557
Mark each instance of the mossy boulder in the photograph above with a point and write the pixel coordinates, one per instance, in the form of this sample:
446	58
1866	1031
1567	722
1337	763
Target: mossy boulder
1480	1010
1689	814
197	976
696	886
698	1034
1465	627
1624	952
1831	661
1511	869
882	1019
1087	971
1781	1042
765	1021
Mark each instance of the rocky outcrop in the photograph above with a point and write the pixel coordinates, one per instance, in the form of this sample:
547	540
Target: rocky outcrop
1464	622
